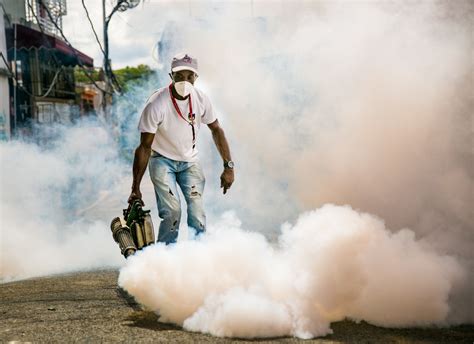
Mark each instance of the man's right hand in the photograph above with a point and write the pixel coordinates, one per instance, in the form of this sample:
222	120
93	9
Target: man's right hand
135	195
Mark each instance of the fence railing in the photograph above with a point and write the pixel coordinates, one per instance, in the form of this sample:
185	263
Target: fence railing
38	14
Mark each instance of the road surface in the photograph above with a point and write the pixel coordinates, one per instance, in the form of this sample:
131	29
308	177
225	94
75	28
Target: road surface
88	307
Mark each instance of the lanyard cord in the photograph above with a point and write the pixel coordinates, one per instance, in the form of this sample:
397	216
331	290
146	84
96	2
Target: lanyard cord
191	115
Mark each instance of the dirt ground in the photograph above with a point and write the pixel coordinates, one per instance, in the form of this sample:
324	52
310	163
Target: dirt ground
88	307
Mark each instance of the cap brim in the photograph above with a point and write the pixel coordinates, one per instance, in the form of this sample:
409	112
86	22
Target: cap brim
179	68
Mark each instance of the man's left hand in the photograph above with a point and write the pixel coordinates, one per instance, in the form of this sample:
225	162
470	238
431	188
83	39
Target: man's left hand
227	178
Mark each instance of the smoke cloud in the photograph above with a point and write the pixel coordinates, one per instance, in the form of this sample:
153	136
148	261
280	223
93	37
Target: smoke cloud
367	104
334	263
55	199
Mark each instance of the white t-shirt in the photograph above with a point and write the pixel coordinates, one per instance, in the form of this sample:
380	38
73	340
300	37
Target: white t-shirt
173	135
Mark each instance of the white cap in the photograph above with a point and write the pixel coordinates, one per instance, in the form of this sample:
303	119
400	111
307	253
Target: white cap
184	61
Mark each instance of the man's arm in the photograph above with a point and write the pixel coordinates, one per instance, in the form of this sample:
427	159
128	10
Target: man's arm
140	161
227	177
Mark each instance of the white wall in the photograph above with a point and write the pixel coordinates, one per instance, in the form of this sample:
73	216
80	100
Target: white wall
4	91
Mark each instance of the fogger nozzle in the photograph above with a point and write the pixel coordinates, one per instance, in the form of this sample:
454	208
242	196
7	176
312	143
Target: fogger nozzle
123	236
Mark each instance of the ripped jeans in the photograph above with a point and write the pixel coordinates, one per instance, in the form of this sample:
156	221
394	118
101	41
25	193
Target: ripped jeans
165	174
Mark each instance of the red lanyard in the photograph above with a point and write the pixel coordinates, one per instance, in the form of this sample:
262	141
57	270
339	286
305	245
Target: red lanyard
191	115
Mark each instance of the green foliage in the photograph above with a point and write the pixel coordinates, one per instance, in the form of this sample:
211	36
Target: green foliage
126	77
81	76
129	76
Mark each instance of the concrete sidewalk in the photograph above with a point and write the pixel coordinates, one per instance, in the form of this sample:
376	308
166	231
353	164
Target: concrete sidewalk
88	307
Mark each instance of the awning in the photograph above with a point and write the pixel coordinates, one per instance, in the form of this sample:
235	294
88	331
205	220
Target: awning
30	38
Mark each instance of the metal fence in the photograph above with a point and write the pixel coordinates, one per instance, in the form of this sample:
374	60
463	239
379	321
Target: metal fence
37	12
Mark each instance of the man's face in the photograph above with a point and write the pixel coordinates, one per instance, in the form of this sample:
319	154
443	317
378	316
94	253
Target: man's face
184	75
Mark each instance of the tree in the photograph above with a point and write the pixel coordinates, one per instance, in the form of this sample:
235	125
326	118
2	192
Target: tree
126	77
130	76
81	77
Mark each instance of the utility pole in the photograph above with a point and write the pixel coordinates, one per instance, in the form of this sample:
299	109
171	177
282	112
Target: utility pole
15	80
122	6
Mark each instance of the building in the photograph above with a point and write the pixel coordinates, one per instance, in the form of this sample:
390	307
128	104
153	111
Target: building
43	89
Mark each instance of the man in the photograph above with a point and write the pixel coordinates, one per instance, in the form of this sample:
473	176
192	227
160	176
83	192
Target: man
169	126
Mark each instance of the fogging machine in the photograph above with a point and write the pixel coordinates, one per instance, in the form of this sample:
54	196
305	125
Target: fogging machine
135	230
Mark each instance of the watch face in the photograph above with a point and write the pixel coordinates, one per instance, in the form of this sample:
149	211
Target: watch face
230	164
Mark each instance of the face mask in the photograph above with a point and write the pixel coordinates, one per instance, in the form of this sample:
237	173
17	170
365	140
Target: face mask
183	88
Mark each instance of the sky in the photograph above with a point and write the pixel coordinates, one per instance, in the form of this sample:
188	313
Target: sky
133	34
131	37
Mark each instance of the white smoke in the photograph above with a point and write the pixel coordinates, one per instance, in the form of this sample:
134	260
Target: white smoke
360	103
365	104
55	202
334	263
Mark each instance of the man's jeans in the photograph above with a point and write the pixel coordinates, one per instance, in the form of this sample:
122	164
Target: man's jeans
165	174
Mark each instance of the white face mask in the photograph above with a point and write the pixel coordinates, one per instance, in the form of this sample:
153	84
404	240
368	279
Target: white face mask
183	88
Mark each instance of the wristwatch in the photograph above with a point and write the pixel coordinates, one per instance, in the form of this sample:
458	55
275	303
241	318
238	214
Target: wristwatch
229	164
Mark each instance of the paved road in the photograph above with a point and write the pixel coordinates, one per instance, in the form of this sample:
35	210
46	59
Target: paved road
88	307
